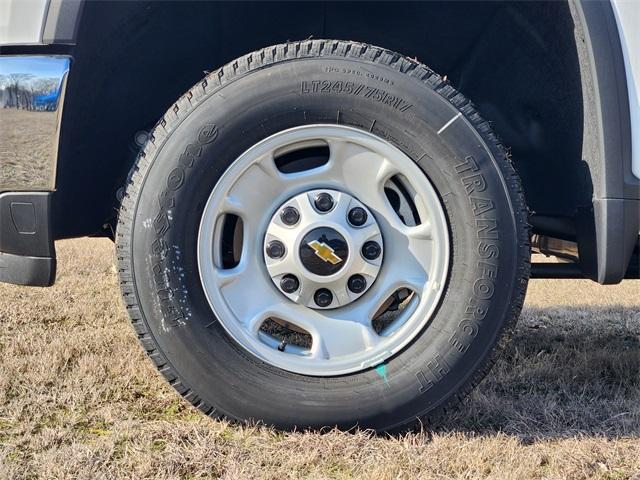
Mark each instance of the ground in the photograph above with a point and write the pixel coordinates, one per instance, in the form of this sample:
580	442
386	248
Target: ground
78	399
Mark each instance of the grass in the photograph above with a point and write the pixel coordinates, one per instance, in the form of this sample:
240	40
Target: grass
78	399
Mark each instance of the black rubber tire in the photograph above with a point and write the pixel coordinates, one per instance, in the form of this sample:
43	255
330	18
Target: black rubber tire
323	81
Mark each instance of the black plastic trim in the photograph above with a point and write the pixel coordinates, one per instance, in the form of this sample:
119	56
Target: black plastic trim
617	226
616	211
29	271
27	251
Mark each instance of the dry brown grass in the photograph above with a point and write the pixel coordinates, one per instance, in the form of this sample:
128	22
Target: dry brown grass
78	399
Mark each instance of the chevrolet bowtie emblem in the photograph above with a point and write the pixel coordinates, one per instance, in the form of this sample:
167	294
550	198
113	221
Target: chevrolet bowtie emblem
325	252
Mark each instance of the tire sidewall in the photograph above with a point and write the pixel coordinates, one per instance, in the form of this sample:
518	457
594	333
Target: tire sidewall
462	164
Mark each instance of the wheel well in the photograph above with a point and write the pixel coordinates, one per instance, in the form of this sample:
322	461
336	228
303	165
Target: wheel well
516	61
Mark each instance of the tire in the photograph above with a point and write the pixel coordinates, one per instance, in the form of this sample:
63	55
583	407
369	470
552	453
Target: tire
332	83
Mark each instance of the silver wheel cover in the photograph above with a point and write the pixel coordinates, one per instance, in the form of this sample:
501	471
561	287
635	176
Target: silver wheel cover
416	257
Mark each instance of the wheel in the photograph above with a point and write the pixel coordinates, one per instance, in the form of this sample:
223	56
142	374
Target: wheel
323	233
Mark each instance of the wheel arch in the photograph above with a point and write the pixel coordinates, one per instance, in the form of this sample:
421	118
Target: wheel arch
601	203
607	147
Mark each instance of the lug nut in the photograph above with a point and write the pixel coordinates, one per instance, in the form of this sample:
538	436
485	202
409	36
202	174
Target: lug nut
357	216
275	249
323	202
289	216
323	297
371	250
357	283
289	283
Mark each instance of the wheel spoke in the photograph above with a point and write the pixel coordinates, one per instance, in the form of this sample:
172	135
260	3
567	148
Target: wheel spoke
235	285
343	337
256	188
225	277
360	170
406	264
267	164
419	233
233	205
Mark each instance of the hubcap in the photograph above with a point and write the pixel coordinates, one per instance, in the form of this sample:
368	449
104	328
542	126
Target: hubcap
323	248
323	267
323	251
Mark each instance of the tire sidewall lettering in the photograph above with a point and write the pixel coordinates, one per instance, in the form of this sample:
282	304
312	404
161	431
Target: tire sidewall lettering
173	315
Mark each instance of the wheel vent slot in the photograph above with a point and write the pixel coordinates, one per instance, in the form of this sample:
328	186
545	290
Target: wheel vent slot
231	241
389	315
302	157
285	337
400	195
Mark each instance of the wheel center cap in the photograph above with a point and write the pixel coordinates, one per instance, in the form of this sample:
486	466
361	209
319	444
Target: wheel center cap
323	251
323	248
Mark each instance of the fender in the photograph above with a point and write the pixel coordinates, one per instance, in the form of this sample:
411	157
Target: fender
607	145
